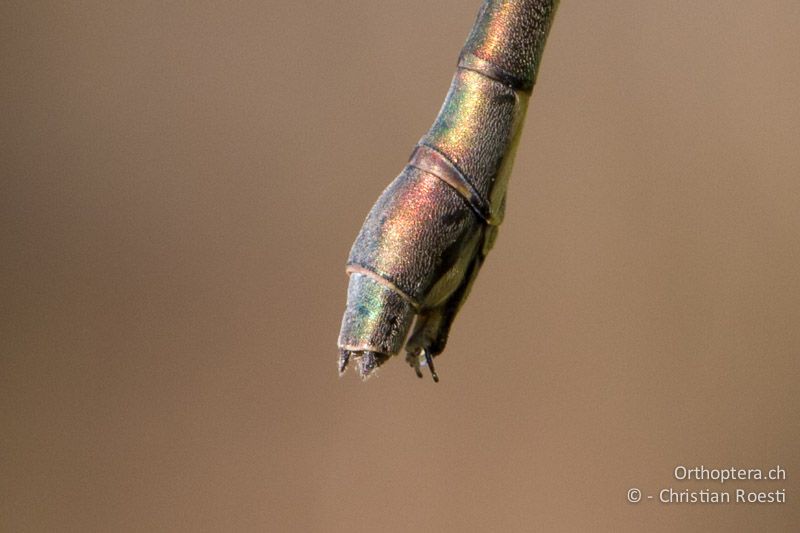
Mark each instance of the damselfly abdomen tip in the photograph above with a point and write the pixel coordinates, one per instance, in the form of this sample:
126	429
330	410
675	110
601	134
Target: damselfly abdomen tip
422	244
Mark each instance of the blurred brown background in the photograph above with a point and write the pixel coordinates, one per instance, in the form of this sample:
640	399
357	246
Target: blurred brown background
181	183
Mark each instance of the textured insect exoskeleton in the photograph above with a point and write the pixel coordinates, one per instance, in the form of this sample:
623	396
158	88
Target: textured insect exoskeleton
425	239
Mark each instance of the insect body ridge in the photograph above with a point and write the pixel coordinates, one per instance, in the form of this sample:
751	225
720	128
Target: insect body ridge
425	239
